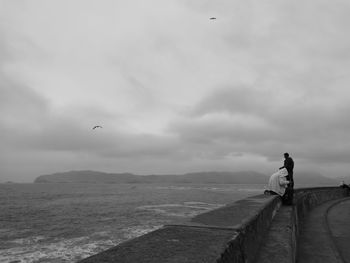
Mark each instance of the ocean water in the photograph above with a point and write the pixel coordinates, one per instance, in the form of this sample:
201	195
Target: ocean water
67	222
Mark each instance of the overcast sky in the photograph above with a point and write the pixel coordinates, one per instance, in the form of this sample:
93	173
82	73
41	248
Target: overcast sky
174	91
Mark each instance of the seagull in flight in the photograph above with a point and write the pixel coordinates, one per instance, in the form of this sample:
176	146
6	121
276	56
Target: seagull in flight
97	126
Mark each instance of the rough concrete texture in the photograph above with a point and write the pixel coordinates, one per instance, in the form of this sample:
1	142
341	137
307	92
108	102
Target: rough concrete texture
236	214
228	234
338	219
281	241
308	198
315	243
169	245
239	232
251	217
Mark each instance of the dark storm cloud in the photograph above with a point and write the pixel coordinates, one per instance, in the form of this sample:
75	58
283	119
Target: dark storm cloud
236	99
19	99
66	135
171	88
245	119
31	125
20	110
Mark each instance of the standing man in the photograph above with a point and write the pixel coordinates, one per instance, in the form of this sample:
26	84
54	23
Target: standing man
289	165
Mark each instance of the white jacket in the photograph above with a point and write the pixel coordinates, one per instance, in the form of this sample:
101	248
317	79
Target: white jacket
278	182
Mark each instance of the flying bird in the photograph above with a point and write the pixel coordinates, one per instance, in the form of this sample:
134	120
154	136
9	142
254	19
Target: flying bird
97	126
212	18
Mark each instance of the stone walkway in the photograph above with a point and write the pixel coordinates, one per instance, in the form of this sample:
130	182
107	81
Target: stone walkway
339	225
325	234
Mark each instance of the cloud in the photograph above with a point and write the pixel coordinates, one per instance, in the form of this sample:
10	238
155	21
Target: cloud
173	89
246	120
27	122
234	100
38	140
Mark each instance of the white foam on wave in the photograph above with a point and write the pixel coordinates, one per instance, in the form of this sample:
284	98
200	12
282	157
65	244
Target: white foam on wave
136	231
31	250
173	187
28	241
221	189
207	188
201	205
187	209
250	190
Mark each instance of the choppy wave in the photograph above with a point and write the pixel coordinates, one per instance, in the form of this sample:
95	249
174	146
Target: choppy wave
174	187
220	188
60	223
253	190
34	249
186	209
65	250
136	231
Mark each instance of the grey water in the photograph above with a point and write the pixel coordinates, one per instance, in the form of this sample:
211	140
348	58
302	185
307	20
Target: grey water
67	222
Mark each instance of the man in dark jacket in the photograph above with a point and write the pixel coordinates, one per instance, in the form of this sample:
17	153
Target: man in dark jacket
289	165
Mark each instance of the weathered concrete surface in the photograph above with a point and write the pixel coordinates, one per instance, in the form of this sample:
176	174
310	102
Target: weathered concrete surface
236	214
338	219
315	243
256	229
229	234
252	217
279	245
282	241
308	198
170	245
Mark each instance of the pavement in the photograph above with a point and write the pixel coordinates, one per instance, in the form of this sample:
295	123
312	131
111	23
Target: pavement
325	234
339	225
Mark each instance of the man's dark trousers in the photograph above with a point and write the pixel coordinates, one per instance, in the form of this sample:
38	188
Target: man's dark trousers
288	196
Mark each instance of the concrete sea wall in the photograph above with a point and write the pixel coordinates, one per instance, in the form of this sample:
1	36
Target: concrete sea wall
281	242
238	232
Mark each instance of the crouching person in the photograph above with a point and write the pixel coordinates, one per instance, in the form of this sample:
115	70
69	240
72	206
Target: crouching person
278	183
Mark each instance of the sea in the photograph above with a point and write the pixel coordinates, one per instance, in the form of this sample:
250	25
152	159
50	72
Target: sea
68	222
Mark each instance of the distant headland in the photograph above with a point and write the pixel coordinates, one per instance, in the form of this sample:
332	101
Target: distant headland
242	177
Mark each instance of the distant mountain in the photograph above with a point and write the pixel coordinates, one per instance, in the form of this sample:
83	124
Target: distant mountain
315	179
86	177
244	177
201	177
